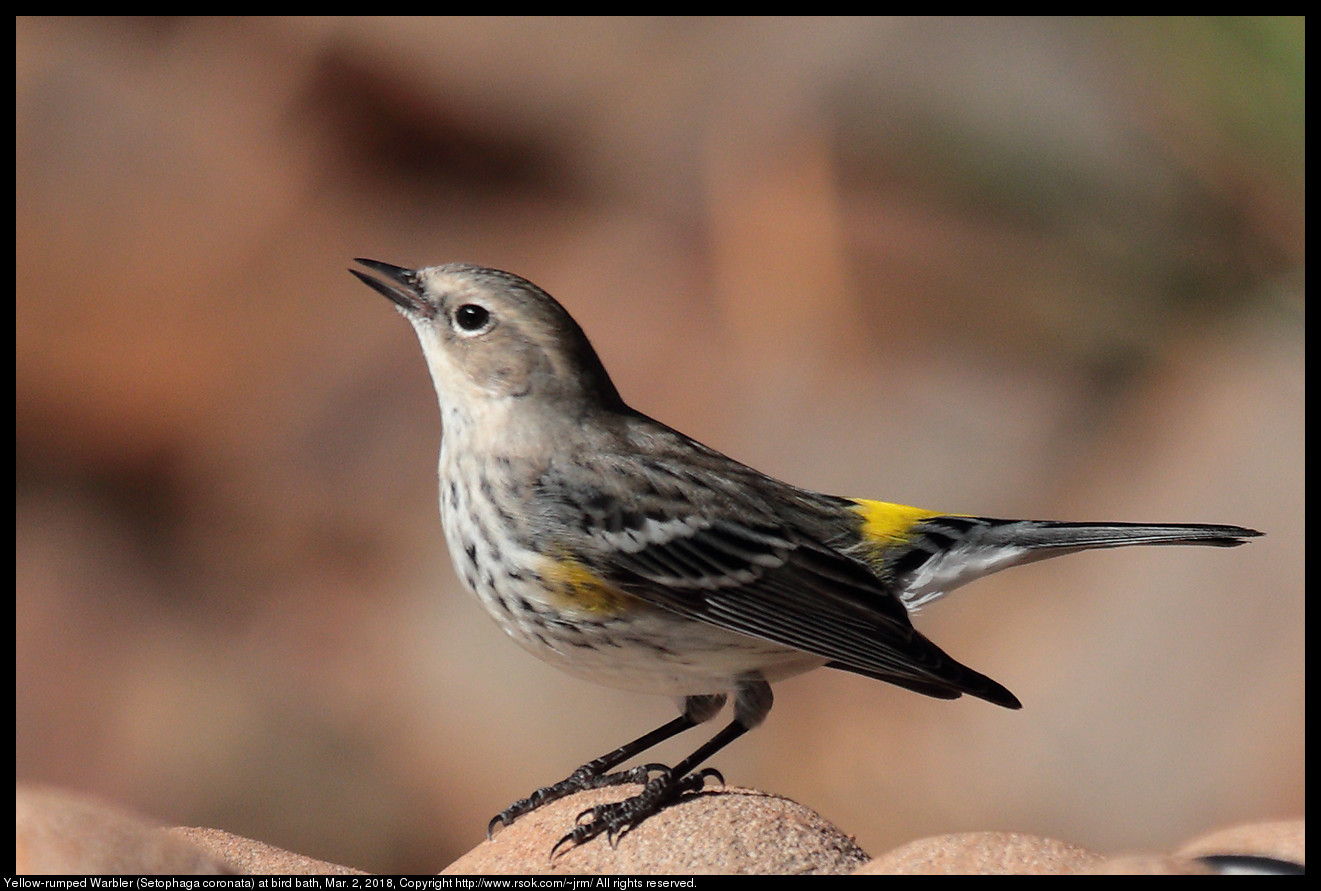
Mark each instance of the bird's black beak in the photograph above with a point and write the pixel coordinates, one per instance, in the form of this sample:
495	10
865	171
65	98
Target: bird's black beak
402	287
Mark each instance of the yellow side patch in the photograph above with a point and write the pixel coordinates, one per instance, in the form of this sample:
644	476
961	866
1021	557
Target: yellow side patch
885	524
575	586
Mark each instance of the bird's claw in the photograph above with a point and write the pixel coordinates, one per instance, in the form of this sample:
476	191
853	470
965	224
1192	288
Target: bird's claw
580	780
616	819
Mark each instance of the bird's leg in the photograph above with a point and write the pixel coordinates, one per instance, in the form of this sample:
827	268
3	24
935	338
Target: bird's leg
595	773
752	702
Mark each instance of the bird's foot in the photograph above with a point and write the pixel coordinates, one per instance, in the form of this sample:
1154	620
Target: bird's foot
589	776
617	818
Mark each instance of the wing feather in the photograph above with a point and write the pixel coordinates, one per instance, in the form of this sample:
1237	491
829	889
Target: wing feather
797	593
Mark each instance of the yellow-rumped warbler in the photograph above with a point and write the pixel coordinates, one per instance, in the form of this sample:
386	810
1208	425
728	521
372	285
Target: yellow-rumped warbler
626	553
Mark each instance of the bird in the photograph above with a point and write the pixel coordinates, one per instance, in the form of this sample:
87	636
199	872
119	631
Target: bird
631	555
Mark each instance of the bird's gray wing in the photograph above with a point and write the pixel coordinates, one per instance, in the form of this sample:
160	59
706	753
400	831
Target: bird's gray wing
716	542
773	583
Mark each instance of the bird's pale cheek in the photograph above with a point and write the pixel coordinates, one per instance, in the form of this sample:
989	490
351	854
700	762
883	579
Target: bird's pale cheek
510	371
509	381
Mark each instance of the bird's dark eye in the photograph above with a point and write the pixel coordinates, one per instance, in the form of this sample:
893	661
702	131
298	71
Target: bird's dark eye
471	317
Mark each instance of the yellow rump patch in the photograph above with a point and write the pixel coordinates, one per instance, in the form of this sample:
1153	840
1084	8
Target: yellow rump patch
886	524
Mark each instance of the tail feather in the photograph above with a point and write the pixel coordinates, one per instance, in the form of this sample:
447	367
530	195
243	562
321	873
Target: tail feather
941	553
1054	534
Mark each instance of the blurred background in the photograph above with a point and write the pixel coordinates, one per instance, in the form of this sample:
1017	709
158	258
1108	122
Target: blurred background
1043	267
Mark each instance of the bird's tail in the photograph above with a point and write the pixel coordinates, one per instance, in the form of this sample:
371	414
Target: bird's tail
937	553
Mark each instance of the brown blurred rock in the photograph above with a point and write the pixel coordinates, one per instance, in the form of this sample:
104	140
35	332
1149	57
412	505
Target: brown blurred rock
60	832
1149	865
724	831
983	853
720	831
258	858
